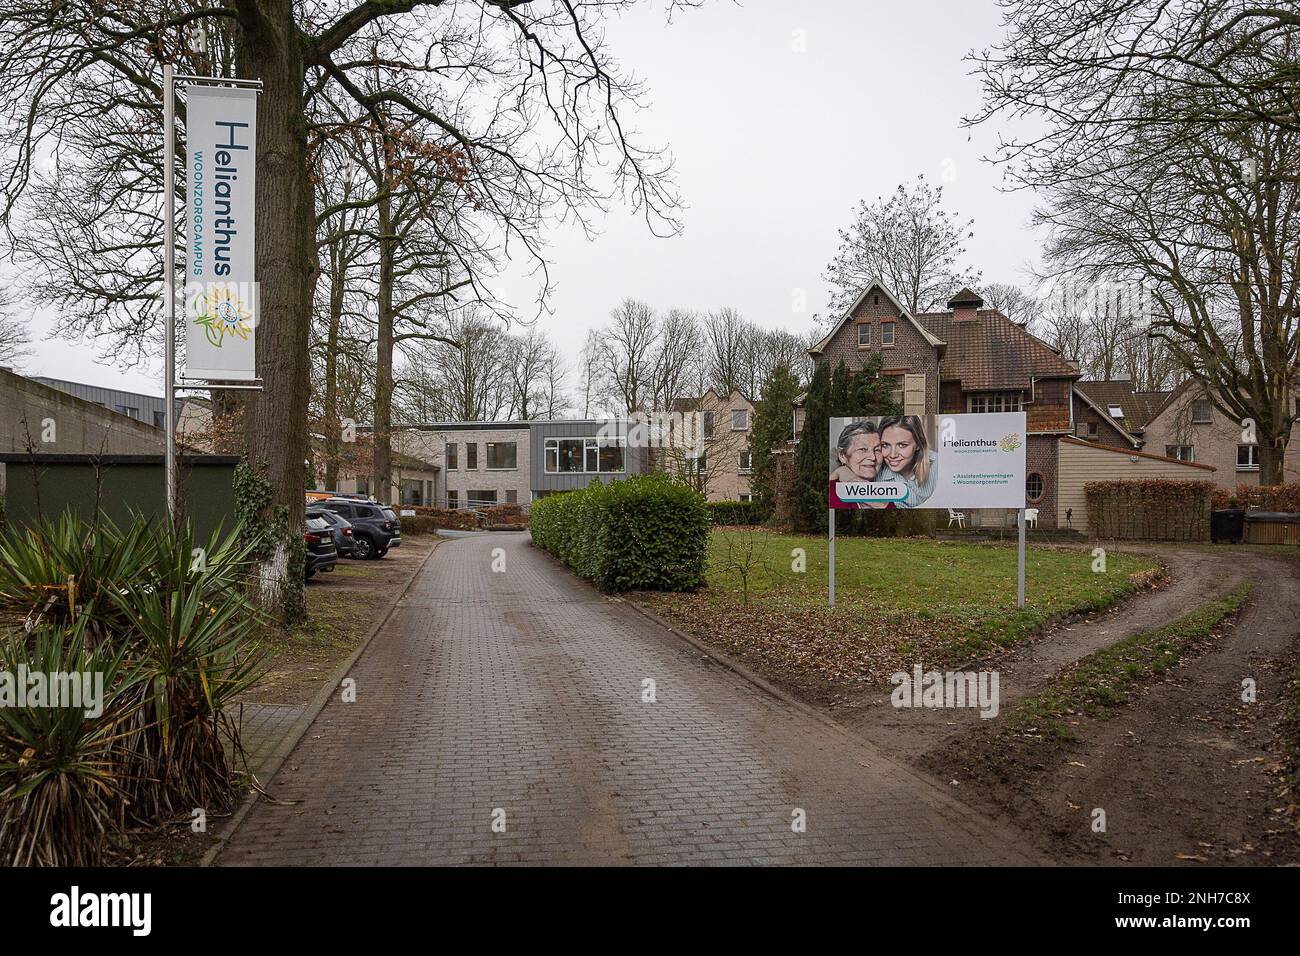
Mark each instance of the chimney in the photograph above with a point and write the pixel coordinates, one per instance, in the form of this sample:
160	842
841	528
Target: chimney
965	306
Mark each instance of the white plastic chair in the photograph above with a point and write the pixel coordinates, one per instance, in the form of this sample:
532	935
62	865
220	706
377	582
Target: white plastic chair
957	516
1031	517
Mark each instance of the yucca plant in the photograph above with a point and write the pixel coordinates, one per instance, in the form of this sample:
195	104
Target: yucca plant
190	624
55	571
61	782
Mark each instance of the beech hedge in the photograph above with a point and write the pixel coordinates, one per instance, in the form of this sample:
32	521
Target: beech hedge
1149	509
640	533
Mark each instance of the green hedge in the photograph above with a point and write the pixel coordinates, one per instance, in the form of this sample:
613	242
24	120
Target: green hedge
642	533
735	512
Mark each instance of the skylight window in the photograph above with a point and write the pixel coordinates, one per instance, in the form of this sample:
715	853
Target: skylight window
1116	412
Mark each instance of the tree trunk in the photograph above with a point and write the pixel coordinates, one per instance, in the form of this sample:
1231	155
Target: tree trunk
333	426
287	267
1272	458
384	364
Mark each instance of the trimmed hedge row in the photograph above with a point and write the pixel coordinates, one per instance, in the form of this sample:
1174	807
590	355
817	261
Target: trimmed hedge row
735	512
1149	509
1260	497
641	533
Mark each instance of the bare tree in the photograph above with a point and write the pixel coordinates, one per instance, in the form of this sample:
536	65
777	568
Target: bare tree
534	369
910	242
14	339
1015	303
676	363
624	355
526	92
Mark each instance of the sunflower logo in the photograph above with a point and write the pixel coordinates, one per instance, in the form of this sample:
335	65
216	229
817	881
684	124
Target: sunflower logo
221	312
1010	442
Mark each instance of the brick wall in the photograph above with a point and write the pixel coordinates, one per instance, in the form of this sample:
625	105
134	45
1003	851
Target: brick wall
1213	443
910	353
1105	434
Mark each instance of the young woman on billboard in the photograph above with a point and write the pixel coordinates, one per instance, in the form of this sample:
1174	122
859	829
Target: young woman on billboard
907	458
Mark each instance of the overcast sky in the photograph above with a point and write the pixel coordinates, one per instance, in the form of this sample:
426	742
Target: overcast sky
780	115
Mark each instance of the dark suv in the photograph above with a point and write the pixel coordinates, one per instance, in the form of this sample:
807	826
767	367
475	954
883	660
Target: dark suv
321	553
375	528
341	527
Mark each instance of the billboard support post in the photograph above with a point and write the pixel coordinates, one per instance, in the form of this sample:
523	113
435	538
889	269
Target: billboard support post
831	565
169	291
1020	560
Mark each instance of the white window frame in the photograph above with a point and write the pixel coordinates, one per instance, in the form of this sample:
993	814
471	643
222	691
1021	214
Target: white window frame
991	402
867	327
1252	463
887	334
1178	452
589	445
734	413
742	468
1209	411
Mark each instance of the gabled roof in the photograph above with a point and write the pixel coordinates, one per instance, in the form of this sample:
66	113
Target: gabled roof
1104	412
992	352
848	314
1138	407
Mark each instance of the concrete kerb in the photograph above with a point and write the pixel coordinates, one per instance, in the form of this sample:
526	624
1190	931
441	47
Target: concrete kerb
298	729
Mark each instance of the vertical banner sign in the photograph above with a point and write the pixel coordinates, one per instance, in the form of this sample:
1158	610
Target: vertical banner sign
220	293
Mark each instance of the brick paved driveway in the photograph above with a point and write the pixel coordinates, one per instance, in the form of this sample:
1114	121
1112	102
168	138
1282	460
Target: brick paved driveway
517	696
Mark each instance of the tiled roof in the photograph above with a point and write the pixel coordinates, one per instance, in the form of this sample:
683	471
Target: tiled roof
993	352
1138	407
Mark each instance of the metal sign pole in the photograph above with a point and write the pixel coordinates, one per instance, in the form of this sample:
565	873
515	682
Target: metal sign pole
832	557
169	286
1020	561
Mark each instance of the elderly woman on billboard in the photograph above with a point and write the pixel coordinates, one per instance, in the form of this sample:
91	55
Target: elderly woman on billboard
907	458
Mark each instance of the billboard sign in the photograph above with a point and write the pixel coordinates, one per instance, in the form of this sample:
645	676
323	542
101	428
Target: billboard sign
220	293
928	461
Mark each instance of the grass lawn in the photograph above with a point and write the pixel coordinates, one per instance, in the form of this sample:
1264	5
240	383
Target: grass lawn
898	601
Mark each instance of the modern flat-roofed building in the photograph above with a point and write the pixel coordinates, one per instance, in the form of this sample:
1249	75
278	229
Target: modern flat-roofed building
149	409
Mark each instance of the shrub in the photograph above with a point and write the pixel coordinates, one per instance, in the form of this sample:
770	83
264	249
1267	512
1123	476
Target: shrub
508	514
1260	497
734	512
453	518
419	524
644	532
61	776
1150	509
167	621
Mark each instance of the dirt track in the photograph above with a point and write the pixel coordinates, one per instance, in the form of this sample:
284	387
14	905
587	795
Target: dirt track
1185	773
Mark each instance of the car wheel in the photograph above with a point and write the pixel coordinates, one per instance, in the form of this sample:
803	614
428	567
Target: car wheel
364	548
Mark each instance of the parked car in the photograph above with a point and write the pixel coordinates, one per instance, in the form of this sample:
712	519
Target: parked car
375	528
321	553
344	542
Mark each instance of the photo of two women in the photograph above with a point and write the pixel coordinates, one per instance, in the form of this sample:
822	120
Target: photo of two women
893	449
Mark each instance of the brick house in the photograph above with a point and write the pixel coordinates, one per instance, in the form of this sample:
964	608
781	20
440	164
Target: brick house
722	472
1183	423
971	359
